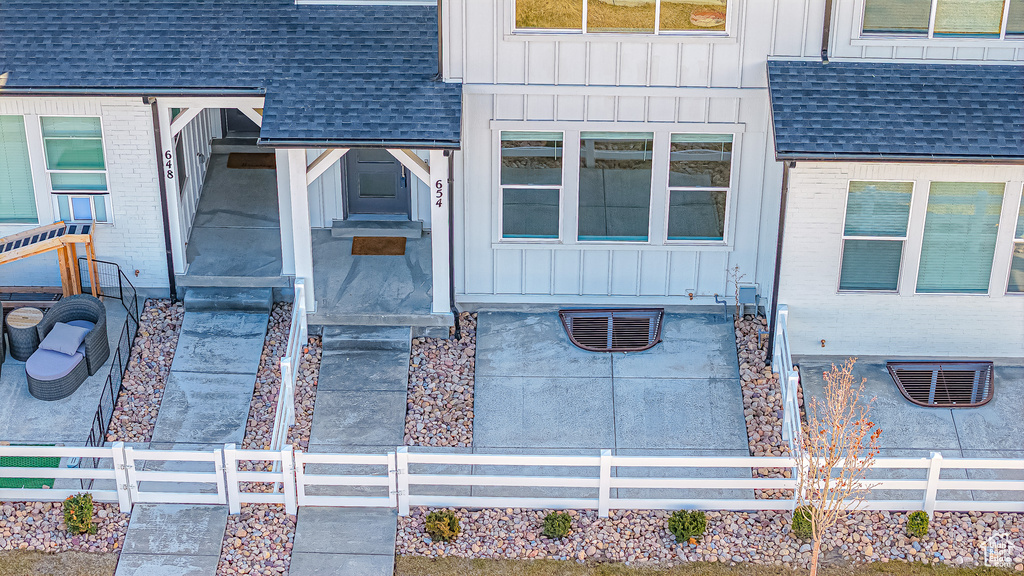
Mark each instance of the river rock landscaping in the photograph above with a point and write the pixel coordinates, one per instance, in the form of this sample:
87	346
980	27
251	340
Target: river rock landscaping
258	541
149	363
40	526
440	397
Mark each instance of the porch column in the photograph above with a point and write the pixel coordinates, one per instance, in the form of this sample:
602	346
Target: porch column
284	209
168	169
302	235
440	225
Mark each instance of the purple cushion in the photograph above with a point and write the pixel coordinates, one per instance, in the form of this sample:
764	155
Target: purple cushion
64	338
49	365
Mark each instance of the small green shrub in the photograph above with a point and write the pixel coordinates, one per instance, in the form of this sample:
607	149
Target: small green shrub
442	525
917	524
78	511
557	525
686	524
801	526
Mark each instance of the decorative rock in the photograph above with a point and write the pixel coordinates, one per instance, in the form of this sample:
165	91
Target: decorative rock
258	541
40	526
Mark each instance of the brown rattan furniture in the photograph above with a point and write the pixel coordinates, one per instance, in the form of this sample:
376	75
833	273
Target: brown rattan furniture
22	331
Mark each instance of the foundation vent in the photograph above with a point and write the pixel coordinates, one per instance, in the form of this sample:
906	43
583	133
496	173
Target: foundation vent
944	384
619	330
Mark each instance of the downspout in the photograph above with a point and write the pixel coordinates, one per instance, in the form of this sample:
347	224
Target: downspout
778	258
826	31
163	203
451	242
440	44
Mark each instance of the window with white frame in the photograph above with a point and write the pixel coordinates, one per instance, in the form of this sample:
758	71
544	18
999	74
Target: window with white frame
874	234
960	237
700	168
1016	284
623	16
944	18
75	166
615	186
17	194
531	185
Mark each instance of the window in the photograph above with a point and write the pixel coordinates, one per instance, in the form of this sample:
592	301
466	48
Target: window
531	184
874	234
615	186
959	237
1017	265
17	195
700	167
623	16
944	18
75	165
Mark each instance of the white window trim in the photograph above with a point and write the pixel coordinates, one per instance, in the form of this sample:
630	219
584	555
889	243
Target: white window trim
904	239
76	193
728	196
859	37
92	206
1013	196
729	32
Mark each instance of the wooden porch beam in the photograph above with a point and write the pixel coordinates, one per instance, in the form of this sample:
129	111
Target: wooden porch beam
324	161
252	114
414	163
182	119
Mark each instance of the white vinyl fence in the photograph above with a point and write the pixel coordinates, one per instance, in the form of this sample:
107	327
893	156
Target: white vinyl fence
298	338
789	379
404	478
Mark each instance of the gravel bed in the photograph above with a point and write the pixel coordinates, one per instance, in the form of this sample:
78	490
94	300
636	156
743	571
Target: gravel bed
263	406
642	537
149	363
258	541
440	397
40	526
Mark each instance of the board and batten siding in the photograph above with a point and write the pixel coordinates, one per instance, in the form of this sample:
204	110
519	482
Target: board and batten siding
891	324
135	239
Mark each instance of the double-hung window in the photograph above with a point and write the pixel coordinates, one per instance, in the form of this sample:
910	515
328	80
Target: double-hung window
944	18
76	167
615	186
700	167
17	195
531	185
1016	284
623	16
960	237
874	235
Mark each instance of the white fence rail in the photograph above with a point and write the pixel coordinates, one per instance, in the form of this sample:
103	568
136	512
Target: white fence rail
298	337
403	479
789	379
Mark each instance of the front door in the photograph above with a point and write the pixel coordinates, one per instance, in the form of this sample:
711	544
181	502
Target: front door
375	184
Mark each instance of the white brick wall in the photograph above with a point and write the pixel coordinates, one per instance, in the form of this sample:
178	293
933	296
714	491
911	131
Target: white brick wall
135	240
903	324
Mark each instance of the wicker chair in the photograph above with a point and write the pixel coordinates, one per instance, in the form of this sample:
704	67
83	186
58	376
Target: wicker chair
55	375
82	307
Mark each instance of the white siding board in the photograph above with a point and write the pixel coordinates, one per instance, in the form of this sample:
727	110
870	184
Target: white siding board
537	271
596	272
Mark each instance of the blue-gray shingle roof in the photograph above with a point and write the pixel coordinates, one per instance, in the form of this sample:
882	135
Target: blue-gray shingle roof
331	74
896	110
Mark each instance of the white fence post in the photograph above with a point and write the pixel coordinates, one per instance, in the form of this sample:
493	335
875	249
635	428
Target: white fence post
402	480
291	505
124	497
932	488
231	473
604	491
392	479
129	472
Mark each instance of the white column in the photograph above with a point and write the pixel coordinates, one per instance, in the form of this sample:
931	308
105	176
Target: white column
168	169
302	236
284	209
439	226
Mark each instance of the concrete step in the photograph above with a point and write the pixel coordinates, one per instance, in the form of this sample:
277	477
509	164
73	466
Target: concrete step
228	299
366	338
200	281
353	228
229	145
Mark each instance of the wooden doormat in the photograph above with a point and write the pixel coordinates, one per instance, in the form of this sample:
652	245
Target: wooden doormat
261	161
378	246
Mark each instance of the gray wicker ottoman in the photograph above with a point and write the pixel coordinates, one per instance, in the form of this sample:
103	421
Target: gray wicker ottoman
54	376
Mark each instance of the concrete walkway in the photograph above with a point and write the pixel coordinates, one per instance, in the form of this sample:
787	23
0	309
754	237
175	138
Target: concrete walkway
360	408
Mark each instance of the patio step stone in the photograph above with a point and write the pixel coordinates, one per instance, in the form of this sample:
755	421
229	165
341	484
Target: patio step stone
205	299
398	228
342	337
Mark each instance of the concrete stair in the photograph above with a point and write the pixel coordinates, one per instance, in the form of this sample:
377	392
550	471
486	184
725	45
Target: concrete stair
200	299
243	145
399	228
366	338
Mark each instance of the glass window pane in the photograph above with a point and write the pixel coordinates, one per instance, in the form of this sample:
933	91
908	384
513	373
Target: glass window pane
696	215
1017	269
959	237
701	160
1019	232
100	207
531	158
81	208
878	208
74	154
615	186
547	15
72	181
968	17
63	208
679	15
1015	19
70	127
897	16
529	213
871	265
621	15
17	195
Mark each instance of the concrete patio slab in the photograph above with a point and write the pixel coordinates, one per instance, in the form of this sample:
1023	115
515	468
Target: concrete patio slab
164	565
998	424
546	412
204	408
1013	475
534	345
237	197
364	370
324	564
537	492
667	472
693	345
249	252
176	529
911	474
220	343
347	418
346	530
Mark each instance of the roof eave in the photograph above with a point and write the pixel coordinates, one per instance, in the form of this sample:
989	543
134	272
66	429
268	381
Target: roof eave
357	143
904	158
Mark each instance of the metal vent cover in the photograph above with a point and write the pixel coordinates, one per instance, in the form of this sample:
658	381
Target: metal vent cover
956	384
613	330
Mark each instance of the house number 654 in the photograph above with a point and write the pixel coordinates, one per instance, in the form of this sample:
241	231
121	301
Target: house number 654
438	193
170	164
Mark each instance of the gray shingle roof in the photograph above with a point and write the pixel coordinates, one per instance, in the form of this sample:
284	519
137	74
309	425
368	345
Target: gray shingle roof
330	73
896	110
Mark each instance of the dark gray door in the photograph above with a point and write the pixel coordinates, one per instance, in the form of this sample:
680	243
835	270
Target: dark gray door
375	183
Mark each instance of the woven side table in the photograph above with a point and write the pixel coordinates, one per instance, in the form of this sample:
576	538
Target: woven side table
21	332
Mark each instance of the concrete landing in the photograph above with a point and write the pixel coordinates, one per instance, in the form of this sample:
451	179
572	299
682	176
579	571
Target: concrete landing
173	540
396	228
209	299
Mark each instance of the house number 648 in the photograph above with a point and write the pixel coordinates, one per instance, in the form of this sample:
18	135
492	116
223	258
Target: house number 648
170	164
438	193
